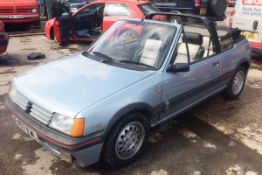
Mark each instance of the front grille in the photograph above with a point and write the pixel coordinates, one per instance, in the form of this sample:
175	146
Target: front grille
37	112
40	114
23	10
6	11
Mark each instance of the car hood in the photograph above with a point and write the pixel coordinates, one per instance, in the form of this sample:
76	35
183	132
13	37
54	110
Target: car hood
69	85
18	3
6	3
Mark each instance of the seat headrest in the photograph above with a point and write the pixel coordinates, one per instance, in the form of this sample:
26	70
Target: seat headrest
193	38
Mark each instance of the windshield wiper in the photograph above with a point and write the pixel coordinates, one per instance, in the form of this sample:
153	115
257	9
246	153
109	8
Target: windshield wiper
100	54
137	63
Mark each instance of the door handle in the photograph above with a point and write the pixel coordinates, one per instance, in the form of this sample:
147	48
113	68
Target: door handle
215	63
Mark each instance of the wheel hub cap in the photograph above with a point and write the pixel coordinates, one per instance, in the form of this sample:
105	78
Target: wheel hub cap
130	140
238	82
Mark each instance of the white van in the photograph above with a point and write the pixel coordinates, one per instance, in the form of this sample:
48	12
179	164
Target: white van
247	16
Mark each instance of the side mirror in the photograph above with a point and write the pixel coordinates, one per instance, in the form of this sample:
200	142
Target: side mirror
179	67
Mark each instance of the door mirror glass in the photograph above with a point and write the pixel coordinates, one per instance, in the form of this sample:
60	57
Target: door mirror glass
179	67
65	14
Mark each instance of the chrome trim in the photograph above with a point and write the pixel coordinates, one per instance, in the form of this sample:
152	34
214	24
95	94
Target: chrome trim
37	112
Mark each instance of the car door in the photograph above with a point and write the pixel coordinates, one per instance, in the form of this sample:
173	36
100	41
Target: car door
62	27
182	90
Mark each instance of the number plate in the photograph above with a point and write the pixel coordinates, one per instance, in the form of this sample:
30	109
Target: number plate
26	129
250	36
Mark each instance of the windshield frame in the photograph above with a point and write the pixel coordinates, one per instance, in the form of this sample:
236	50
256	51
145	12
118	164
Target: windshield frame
176	27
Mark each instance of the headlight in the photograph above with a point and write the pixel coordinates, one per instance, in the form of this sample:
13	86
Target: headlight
34	10
74	10
71	126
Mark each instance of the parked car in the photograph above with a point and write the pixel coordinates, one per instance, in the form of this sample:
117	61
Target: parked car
247	16
74	5
139	74
19	11
210	8
96	17
3	38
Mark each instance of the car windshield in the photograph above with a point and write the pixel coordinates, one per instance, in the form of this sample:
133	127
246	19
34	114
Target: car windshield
134	44
148	9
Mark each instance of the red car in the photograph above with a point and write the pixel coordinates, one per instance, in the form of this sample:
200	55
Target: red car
3	38
96	17
19	11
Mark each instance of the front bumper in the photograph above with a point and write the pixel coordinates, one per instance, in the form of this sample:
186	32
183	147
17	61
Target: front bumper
16	18
84	150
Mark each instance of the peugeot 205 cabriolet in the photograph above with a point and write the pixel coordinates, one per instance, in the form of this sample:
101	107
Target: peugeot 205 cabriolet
102	103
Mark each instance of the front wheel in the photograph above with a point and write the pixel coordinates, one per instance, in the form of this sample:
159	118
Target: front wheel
127	141
237	83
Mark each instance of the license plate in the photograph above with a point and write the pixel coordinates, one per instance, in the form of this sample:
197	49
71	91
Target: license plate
249	35
16	17
26	129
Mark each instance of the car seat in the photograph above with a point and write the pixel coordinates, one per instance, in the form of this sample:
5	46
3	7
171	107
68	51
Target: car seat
151	52
196	50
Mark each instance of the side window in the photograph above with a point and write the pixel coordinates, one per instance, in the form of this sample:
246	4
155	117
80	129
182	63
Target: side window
117	9
226	38
199	46
199	43
94	9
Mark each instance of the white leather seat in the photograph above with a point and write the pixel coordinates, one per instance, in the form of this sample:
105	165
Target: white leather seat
151	51
182	52
206	41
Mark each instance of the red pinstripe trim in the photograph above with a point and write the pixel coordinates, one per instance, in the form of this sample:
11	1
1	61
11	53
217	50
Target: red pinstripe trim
96	138
256	44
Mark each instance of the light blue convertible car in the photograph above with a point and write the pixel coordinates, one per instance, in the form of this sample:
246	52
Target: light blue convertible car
102	103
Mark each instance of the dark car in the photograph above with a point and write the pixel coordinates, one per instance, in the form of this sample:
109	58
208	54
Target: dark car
211	8
3	38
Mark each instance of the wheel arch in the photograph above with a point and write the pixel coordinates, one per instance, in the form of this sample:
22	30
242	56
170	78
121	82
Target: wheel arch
245	64
143	108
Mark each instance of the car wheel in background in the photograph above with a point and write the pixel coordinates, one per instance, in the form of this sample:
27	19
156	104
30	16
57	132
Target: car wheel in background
127	141
218	7
236	84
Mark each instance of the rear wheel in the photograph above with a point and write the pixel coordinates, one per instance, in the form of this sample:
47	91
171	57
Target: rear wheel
237	83
218	7
127	141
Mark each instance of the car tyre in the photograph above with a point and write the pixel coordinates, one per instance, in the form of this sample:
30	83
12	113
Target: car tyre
127	140
218	7
236	84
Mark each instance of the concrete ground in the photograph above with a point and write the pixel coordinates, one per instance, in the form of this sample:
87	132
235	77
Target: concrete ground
218	137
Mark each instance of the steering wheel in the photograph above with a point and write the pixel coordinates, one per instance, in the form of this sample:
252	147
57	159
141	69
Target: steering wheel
128	36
